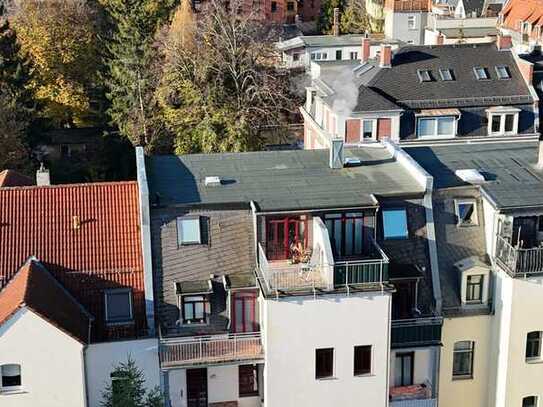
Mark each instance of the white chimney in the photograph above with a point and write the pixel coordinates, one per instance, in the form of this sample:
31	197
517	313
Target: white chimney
336	157
540	153
42	176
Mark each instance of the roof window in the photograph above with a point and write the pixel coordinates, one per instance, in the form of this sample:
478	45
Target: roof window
424	75
503	72
446	74
481	73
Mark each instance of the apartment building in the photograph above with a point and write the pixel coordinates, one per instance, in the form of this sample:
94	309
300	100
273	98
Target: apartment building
406	20
488	216
74	298
522	20
294	277
422	93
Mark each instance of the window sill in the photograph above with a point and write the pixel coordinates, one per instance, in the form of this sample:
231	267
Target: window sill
396	238
466	225
324	379
197	324
120	323
465	377
363	375
534	361
12	392
248	395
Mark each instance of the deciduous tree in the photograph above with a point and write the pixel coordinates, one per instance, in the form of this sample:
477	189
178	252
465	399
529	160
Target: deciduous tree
355	19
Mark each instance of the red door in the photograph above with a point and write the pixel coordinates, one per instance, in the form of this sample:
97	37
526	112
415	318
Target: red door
244	311
281	234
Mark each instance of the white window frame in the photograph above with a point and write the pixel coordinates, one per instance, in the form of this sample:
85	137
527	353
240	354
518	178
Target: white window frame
457	203
207	309
9	389
534	396
502	115
373	130
353	55
539	356
507	71
435	135
485	69
131	305
319	56
411	22
442	75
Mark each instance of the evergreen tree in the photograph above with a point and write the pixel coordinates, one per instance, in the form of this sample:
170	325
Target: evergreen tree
129	78
127	388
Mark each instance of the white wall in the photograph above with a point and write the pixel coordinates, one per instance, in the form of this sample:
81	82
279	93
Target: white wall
295	326
102	358
51	363
466	392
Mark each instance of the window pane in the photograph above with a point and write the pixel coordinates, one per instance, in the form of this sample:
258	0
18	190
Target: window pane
463	358
199	310
530	401
189	230
189	311
367	128
426	127
509	123
533	344
248	380
362	360
358	232
324	359
496	123
445	126
466	212
118	306
394	223
11	375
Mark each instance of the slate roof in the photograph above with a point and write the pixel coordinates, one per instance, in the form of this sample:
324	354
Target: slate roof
471	6
278	180
86	235
11	178
512	179
33	287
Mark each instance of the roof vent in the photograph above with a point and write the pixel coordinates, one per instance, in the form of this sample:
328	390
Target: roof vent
352	162
212	181
336	154
470	176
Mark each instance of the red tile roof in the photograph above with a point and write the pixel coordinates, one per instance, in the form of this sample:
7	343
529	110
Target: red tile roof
35	288
87	235
522	10
10	178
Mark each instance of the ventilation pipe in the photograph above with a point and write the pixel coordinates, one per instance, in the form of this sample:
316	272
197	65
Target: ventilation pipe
336	157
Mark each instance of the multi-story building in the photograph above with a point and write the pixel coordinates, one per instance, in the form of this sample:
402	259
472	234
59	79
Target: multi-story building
488	206
406	20
422	93
294	277
76	296
522	20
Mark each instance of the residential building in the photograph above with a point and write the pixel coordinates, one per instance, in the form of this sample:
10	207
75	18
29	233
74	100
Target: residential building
75	295
406	20
488	211
422	93
300	51
254	253
522	20
459	21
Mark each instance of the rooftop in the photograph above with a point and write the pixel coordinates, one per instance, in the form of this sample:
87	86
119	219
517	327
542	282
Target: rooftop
279	180
330	41
11	178
509	168
525	10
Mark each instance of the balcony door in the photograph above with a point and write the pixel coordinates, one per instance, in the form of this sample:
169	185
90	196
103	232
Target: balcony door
346	231
403	369
244	311
525	231
281	234
197	387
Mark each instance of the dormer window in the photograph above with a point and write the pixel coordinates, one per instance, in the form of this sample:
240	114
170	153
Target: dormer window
436	127
474	277
424	75
192	230
474	288
503	72
194	309
466	212
446	74
481	73
118	305
502	121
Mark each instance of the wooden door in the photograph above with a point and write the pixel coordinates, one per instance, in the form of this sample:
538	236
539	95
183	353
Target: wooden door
197	387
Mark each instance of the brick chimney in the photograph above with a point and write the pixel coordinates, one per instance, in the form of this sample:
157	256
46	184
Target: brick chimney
335	27
527	70
440	39
504	42
385	57
365	55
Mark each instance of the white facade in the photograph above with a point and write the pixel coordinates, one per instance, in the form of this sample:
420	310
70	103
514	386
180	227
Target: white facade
294	327
102	358
52	363
406	26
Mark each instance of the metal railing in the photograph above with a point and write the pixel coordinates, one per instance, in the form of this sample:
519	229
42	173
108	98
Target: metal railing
416	332
210	349
517	261
285	277
365	271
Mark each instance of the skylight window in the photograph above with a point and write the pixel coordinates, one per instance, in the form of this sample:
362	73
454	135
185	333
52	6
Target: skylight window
503	72
424	75
446	74
481	73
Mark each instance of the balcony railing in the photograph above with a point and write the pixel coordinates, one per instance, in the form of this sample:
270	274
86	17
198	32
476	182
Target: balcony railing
211	349
416	332
414	403
517	261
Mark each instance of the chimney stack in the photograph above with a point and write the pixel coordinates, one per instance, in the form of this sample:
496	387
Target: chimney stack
335	28
540	153
504	42
336	158
385	57
42	176
365	55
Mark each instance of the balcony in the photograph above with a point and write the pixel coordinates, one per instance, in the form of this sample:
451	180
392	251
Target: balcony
516	261
416	332
213	349
416	395
414	403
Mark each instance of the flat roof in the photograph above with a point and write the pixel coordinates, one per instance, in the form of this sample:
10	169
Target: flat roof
512	179
279	180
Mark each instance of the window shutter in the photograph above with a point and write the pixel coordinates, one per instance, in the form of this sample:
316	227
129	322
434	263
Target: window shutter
352	131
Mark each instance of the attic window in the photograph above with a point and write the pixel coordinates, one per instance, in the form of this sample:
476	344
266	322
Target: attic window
446	74
424	75
481	73
503	72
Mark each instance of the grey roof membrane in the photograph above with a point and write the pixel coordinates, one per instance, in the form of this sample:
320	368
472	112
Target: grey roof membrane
279	180
509	168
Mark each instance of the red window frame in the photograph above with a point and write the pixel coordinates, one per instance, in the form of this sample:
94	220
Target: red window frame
248	298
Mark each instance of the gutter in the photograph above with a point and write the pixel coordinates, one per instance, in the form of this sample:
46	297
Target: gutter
426	181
